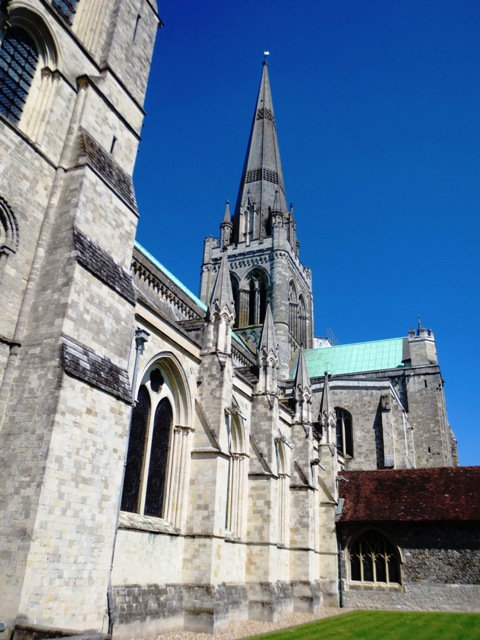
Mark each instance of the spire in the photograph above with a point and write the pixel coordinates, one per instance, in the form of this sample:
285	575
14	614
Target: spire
327	416
267	356
302	380
226	227
262	172
302	390
222	295
221	315
268	343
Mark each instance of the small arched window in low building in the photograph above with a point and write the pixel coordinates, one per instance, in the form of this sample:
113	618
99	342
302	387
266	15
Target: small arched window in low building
18	62
66	8
344	432
374	558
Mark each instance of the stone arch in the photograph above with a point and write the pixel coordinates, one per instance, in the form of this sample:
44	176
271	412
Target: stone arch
176	383
257	285
32	114
9	237
373	557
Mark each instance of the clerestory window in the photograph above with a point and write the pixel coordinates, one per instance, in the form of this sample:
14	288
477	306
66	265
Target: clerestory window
18	63
374	559
66	8
148	450
344	432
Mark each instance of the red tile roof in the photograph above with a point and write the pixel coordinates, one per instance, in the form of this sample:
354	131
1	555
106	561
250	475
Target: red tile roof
415	495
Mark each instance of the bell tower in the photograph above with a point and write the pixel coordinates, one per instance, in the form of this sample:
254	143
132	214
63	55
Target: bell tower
261	244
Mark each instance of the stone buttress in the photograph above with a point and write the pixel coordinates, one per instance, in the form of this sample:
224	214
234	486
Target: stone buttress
67	332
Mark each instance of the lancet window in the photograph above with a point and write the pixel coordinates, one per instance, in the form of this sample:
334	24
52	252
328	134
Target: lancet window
236	483
344	432
148	449
302	322
18	62
374	558
236	298
257	298
283	491
292	309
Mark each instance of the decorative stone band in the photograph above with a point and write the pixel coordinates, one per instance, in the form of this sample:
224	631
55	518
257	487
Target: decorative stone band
109	170
253	175
98	262
84	364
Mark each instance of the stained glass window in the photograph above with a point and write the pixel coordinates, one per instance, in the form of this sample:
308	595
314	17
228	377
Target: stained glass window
66	8
136	452
18	62
157	468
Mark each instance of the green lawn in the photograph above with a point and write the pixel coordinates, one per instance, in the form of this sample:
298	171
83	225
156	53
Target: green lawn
386	625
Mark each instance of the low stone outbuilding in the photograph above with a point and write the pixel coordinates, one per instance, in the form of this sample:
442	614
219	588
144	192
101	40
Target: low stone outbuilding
410	539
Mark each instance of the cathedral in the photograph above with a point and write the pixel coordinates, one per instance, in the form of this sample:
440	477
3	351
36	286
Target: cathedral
170	461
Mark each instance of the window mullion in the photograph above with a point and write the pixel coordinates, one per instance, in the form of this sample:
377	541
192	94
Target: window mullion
146	460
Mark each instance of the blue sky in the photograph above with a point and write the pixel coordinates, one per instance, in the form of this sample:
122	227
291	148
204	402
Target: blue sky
377	105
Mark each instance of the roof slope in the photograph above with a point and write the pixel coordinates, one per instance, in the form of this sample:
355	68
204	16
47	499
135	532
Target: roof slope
262	177
415	495
355	358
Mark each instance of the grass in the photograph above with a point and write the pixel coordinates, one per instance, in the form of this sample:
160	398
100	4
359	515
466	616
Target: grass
385	625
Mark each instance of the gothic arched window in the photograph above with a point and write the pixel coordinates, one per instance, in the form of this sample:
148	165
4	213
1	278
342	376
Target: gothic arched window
136	451
66	8
236	298
18	62
302	322
344	432
237	469
374	558
148	450
292	309
257	303
8	229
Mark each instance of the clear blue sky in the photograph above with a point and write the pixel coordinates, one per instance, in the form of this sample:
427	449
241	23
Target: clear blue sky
377	104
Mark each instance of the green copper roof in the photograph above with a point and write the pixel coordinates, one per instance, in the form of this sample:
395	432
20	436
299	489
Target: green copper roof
354	358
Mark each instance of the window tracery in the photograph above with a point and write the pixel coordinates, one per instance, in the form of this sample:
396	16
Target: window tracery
374	558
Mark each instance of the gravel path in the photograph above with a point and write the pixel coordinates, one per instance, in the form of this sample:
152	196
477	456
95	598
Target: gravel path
247	628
